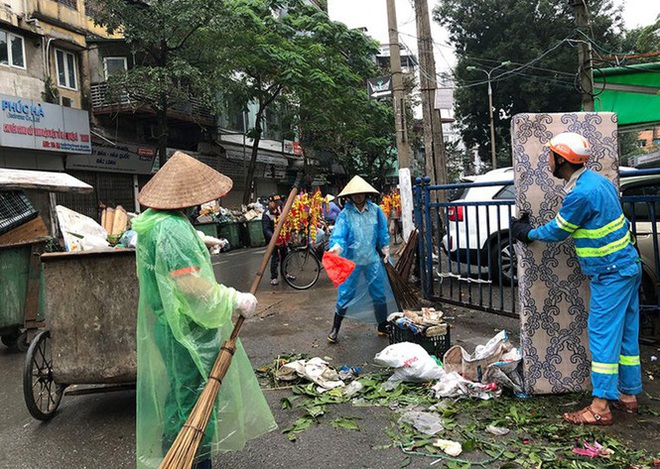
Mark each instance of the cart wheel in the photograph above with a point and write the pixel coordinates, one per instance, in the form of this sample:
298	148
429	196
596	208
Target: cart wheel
42	395
22	344
10	339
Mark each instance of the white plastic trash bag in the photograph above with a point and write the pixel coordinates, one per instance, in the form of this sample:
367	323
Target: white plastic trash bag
410	362
315	369
80	232
473	367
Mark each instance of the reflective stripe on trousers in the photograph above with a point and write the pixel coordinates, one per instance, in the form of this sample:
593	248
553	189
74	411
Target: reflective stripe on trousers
614	332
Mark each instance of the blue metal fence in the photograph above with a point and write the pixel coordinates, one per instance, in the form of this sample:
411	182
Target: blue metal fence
466	253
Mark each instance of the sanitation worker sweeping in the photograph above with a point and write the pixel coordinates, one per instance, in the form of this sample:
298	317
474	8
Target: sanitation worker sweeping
184	317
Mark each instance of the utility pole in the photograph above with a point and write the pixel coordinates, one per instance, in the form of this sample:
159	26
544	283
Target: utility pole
398	93
402	143
585	64
434	145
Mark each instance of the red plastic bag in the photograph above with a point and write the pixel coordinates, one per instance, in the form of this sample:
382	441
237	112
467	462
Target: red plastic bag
338	268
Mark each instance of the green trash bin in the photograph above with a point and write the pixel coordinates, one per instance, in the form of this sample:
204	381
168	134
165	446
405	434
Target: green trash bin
231	232
209	229
14	276
256	234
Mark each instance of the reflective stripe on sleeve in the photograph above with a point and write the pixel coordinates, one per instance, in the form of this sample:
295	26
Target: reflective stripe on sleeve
565	225
185	271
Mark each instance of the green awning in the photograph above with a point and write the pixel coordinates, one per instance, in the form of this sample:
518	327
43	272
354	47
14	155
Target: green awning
632	92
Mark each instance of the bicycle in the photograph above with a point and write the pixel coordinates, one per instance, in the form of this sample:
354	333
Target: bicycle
302	266
396	230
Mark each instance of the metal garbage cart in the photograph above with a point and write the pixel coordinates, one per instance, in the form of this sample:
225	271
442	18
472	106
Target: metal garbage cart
90	342
26	215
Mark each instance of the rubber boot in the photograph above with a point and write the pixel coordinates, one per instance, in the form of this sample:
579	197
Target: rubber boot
381	319
336	324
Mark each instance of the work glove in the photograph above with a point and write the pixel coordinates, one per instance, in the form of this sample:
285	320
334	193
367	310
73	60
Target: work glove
246	304
336	249
386	254
520	228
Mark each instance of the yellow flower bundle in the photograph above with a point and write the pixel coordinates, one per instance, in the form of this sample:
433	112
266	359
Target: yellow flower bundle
304	215
391	203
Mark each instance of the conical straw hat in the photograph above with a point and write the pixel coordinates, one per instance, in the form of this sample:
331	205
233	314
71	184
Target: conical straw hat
357	185
183	182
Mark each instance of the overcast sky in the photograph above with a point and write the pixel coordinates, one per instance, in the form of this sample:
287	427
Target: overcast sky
372	14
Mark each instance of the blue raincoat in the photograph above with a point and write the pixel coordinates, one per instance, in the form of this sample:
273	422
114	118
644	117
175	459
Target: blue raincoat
366	294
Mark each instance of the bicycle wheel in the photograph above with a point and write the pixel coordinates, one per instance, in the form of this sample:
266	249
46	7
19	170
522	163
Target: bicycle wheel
301	269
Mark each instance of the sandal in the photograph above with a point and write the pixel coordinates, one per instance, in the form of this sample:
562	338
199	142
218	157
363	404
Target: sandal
631	407
580	417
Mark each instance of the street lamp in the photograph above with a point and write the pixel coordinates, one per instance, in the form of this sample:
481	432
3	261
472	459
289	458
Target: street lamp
471	68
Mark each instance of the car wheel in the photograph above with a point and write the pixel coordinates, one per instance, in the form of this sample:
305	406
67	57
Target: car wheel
504	262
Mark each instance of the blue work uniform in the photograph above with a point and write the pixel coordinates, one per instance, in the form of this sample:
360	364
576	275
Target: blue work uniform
591	213
361	235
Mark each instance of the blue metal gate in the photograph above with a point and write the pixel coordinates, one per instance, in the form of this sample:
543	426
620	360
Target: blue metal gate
466	253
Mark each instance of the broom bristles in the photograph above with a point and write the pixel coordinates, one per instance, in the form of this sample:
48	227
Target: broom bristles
403	293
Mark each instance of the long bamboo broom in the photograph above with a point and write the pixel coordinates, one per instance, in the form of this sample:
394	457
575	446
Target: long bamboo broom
181	454
403	293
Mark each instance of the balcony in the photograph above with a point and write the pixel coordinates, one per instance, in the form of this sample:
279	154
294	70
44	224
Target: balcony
194	111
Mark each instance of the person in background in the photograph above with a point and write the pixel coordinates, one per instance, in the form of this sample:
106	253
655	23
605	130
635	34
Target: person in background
330	209
184	317
360	234
591	214
268	219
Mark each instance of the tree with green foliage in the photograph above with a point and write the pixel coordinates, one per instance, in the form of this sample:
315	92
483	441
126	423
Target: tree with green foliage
289	52
538	37
161	32
643	40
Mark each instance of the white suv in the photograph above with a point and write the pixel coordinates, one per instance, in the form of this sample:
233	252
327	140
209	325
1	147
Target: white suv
480	233
476	233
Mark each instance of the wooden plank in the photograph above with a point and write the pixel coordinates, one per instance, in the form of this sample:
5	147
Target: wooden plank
31	308
64	256
34	231
553	292
19	179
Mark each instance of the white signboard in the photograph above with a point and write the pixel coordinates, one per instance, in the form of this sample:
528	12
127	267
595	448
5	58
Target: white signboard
129	159
379	87
444	98
36	125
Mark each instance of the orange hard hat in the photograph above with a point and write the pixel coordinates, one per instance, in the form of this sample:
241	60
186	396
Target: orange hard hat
573	147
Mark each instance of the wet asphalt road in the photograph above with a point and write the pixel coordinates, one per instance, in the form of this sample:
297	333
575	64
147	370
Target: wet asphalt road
98	431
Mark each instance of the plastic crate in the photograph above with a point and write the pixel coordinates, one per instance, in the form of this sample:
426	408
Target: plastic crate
437	345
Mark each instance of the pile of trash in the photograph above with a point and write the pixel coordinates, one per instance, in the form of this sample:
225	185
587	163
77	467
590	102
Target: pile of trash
426	322
213	212
443	424
481	374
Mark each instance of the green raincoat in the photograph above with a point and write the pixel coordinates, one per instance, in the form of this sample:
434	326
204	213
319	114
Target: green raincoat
184	316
